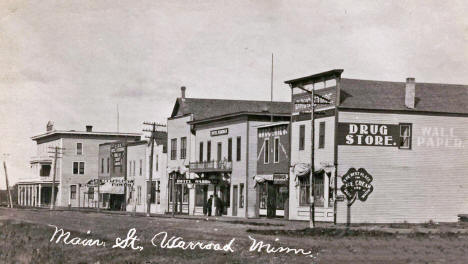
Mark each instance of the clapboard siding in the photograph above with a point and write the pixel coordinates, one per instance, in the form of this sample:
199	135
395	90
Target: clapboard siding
428	182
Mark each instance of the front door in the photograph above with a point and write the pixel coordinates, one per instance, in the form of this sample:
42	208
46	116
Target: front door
271	200
234	200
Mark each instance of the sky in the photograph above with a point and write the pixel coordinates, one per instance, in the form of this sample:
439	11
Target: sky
73	62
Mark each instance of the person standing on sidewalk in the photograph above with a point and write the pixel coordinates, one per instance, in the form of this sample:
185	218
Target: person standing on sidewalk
217	205
209	204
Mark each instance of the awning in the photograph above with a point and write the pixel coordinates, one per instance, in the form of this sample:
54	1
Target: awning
180	170
263	177
301	169
108	187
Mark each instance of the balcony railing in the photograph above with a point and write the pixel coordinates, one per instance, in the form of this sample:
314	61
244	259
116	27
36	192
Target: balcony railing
211	166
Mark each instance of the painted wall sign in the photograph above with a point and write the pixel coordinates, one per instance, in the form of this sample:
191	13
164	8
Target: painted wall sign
273	131
361	134
195	181
219	132
439	137
117	153
357	184
302	100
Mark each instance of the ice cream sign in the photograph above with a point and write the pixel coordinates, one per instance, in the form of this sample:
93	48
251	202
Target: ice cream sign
356	184
360	134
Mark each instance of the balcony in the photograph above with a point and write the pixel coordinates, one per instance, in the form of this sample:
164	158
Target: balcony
211	166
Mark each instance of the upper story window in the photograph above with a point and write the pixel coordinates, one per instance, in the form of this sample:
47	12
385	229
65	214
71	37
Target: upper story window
200	157
108	165
78	167
230	149
301	137
276	150
141	167
208	151
405	136
183	148
266	157
220	151
79	148
45	170
157	162
322	135
238	151
102	165
174	149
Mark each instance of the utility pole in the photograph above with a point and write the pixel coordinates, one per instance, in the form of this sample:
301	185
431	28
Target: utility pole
152	139
312	160
57	151
6	181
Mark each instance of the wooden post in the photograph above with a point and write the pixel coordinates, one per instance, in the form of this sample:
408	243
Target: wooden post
149	188
312	160
348	214
98	194
7	186
172	193
52	201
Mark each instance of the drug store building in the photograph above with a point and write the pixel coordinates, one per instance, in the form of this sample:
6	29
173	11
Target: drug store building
396	151
212	149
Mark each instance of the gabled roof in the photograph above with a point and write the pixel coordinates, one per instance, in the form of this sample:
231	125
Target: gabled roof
208	108
382	95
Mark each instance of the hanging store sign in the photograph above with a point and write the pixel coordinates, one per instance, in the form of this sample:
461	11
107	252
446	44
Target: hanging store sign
279	130
360	134
117	153
356	184
280	178
219	132
193	181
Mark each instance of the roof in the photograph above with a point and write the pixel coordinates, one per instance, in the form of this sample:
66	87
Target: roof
84	133
273	124
382	95
323	76
208	108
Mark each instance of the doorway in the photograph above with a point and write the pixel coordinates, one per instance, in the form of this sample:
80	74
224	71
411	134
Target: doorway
234	200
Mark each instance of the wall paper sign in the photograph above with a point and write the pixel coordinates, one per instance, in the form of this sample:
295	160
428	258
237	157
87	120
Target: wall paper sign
357	184
219	132
361	134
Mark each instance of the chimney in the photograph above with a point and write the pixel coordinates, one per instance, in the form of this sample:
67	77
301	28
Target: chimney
182	90
410	93
89	128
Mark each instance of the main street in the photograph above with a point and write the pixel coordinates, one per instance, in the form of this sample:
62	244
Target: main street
25	236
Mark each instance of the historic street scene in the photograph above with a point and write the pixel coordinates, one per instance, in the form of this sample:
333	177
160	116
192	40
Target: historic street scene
246	132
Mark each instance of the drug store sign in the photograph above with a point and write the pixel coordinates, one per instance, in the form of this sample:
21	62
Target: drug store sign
364	134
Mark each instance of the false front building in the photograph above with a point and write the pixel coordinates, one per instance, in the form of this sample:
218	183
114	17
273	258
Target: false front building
212	147
392	151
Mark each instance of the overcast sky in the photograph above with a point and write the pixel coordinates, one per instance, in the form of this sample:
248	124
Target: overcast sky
73	61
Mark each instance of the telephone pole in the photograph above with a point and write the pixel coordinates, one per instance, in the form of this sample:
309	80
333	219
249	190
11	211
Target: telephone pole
6	181
57	151
152	138
312	160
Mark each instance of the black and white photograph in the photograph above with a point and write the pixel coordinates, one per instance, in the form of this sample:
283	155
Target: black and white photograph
250	131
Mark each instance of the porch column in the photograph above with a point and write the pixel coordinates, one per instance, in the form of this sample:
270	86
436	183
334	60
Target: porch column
33	188
326	191
40	190
30	195
23	195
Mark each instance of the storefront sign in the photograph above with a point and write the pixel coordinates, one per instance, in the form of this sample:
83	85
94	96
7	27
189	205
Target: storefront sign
193	181
360	134
219	132
280	178
357	184
324	99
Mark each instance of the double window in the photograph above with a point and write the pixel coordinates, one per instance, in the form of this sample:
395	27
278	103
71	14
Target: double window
78	167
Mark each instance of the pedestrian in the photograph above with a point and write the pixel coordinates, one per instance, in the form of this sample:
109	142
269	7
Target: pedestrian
209	203
217	205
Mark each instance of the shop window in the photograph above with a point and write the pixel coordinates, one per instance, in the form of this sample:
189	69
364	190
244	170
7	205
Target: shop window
208	151
263	195
138	194
322	135
241	195
73	192
200	157
91	193
405	136
230	149
238	152
79	148
304	191
319	190
276	150
301	137
266	156
183	148
153	192
174	149
200	195
185	195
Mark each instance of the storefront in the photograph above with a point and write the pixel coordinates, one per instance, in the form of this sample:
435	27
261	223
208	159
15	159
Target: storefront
273	195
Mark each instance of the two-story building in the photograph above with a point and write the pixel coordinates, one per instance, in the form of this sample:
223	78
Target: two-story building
77	163
138	160
388	151
212	150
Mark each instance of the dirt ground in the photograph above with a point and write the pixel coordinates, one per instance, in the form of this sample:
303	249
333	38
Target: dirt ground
25	235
